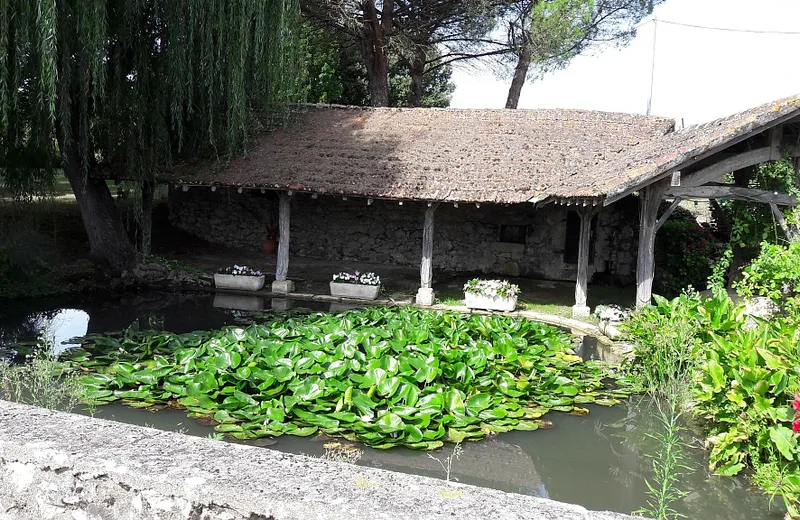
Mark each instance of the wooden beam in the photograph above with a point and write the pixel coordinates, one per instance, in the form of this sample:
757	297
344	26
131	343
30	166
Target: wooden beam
708	153
791	234
732	193
649	201
284	208
426	267
667	213
775	138
731	164
580	309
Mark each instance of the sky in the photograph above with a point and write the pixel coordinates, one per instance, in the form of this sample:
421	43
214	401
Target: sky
700	74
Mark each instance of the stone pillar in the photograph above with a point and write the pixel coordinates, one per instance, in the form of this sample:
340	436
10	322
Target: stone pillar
281	284
580	309
425	294
649	201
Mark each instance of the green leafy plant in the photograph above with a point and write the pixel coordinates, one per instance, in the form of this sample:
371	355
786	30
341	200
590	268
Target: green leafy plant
383	376
742	380
775	274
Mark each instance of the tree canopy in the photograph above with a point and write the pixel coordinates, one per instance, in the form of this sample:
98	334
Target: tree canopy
98	86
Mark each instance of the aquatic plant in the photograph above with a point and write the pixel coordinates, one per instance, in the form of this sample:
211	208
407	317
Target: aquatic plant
42	382
447	462
383	376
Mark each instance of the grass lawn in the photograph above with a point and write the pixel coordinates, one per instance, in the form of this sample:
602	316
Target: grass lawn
546	296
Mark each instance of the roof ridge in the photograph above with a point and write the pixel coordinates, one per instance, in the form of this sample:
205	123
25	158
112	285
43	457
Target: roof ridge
335	106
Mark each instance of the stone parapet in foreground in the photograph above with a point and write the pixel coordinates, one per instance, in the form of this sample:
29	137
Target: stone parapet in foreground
56	465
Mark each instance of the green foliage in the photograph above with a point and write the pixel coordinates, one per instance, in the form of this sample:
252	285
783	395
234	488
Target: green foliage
42	382
334	72
131	85
717	282
669	462
383	376
752	223
775	274
742	380
685	253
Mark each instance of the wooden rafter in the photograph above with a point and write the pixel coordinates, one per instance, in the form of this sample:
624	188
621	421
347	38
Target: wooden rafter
731	193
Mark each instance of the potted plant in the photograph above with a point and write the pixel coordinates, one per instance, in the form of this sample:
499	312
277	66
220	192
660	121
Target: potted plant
239	277
610	316
493	295
364	286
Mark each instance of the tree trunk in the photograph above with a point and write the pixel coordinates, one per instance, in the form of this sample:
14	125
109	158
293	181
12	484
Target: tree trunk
146	220
373	47
417	72
520	75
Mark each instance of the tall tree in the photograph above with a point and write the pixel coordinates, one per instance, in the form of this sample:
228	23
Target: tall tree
104	87
334	72
544	35
417	32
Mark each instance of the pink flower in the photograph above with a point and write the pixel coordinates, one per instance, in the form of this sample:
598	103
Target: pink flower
796	426
796	403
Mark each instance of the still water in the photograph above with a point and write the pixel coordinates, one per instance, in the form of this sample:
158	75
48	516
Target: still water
599	460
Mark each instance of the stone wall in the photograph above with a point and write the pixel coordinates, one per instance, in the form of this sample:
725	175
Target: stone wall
466	238
60	466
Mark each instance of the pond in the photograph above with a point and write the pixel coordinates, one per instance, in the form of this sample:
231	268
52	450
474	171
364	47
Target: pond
598	460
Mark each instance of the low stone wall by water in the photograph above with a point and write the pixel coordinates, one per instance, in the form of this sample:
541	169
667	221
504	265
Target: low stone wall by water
56	465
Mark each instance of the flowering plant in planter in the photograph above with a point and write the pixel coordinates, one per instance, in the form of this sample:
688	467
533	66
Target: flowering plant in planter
240	270
610	313
239	277
496	295
357	277
362	286
491	288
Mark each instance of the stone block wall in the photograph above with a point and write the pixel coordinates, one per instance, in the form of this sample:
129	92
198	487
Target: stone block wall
466	238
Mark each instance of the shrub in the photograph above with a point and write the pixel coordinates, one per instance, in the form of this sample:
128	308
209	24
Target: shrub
685	253
775	274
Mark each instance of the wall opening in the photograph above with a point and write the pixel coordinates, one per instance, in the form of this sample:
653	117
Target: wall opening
513	234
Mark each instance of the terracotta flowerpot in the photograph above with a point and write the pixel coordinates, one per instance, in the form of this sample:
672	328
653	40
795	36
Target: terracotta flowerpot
270	246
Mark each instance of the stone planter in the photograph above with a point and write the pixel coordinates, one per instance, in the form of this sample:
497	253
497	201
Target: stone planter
239	282
355	290
479	301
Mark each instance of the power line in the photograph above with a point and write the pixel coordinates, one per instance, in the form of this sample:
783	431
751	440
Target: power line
728	29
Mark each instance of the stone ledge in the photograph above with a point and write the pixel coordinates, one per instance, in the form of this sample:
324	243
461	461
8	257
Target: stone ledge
55	465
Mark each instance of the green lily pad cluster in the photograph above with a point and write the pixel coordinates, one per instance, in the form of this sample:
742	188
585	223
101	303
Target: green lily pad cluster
383	376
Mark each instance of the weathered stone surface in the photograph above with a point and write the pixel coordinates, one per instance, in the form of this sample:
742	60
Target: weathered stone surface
759	307
466	239
62	466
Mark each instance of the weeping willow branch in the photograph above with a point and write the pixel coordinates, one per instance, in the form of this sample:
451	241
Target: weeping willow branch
126	88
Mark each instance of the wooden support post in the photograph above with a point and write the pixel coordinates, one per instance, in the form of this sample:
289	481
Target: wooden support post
281	284
792	235
580	309
649	201
425	294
